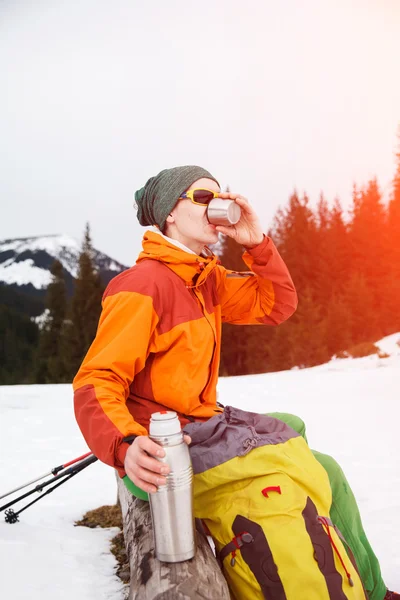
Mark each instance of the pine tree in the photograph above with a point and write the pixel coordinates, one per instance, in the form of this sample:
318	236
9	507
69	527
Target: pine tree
18	342
338	325
368	244
360	306
322	285
295	234
50	362
368	232
85	307
331	254
306	333
339	248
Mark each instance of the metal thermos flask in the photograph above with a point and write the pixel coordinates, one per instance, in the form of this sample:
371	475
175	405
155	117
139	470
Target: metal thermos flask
172	505
223	212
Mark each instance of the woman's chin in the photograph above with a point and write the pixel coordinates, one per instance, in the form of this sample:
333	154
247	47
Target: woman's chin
212	234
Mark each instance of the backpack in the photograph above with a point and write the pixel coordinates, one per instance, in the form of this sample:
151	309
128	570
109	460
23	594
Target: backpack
265	500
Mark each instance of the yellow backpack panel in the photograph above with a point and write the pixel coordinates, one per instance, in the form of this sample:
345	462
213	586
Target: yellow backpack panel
265	500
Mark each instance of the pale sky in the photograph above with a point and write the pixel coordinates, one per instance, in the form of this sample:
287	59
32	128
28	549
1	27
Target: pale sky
96	97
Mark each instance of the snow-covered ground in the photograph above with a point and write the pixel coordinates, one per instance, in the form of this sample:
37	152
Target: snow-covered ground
44	555
350	407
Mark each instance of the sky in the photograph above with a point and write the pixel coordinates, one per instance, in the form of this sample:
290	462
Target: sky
349	407
96	97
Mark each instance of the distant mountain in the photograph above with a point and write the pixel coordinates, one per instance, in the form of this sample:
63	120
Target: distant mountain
25	264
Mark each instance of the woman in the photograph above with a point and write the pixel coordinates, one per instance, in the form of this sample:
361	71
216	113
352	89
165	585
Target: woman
159	336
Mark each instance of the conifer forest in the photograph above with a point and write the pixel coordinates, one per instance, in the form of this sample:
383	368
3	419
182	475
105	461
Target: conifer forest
345	266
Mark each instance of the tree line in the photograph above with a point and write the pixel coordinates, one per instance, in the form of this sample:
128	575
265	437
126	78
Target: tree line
347	274
52	351
69	327
346	269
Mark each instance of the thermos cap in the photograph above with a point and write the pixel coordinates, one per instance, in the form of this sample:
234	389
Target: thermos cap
164	422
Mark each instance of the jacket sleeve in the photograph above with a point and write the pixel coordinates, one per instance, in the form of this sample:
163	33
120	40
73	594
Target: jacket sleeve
264	295
101	386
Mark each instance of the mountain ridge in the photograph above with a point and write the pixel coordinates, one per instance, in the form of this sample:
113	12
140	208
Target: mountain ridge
25	262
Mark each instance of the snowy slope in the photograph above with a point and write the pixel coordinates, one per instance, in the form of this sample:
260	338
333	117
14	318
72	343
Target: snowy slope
27	261
57	560
350	407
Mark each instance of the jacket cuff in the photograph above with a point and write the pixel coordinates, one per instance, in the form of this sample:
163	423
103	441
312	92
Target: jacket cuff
120	455
258	250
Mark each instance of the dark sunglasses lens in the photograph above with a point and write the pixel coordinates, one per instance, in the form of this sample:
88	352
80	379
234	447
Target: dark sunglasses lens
203	196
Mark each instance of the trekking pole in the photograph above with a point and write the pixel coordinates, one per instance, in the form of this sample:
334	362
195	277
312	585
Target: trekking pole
71	470
53	471
12	517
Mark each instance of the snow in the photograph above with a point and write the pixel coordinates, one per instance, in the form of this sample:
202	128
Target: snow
113	266
62	247
52	244
390	344
348	405
25	272
40	320
38	432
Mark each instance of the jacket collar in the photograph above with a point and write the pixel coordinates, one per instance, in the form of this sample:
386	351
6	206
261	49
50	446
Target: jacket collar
190	267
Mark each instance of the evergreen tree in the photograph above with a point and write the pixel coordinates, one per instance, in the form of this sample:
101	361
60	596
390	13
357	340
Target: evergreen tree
322	283
300	236
18	341
368	233
368	246
295	234
310	329
360	307
21	301
336	273
301	341
85	308
50	361
338	240
338	325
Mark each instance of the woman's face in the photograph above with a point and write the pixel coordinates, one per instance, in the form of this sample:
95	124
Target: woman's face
187	222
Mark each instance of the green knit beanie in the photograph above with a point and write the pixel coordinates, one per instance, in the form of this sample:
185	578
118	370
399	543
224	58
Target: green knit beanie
158	197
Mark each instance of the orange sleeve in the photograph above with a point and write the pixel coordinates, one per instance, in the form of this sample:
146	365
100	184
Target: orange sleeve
101	386
264	295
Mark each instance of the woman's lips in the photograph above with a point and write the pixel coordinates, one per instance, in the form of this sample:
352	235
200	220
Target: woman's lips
210	224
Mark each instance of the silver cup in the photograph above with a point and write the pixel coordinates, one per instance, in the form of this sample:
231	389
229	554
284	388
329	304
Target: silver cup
223	212
172	505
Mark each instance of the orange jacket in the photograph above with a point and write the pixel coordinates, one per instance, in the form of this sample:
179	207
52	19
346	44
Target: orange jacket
159	337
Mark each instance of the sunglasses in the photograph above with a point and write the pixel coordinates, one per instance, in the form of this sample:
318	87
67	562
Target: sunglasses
199	196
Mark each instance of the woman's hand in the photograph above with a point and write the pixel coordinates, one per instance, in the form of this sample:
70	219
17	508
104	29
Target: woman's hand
247	231
142	466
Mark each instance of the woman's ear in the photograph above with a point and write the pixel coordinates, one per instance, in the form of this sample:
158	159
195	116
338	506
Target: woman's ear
170	218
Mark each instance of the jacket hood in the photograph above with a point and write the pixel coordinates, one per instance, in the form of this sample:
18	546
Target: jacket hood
190	267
